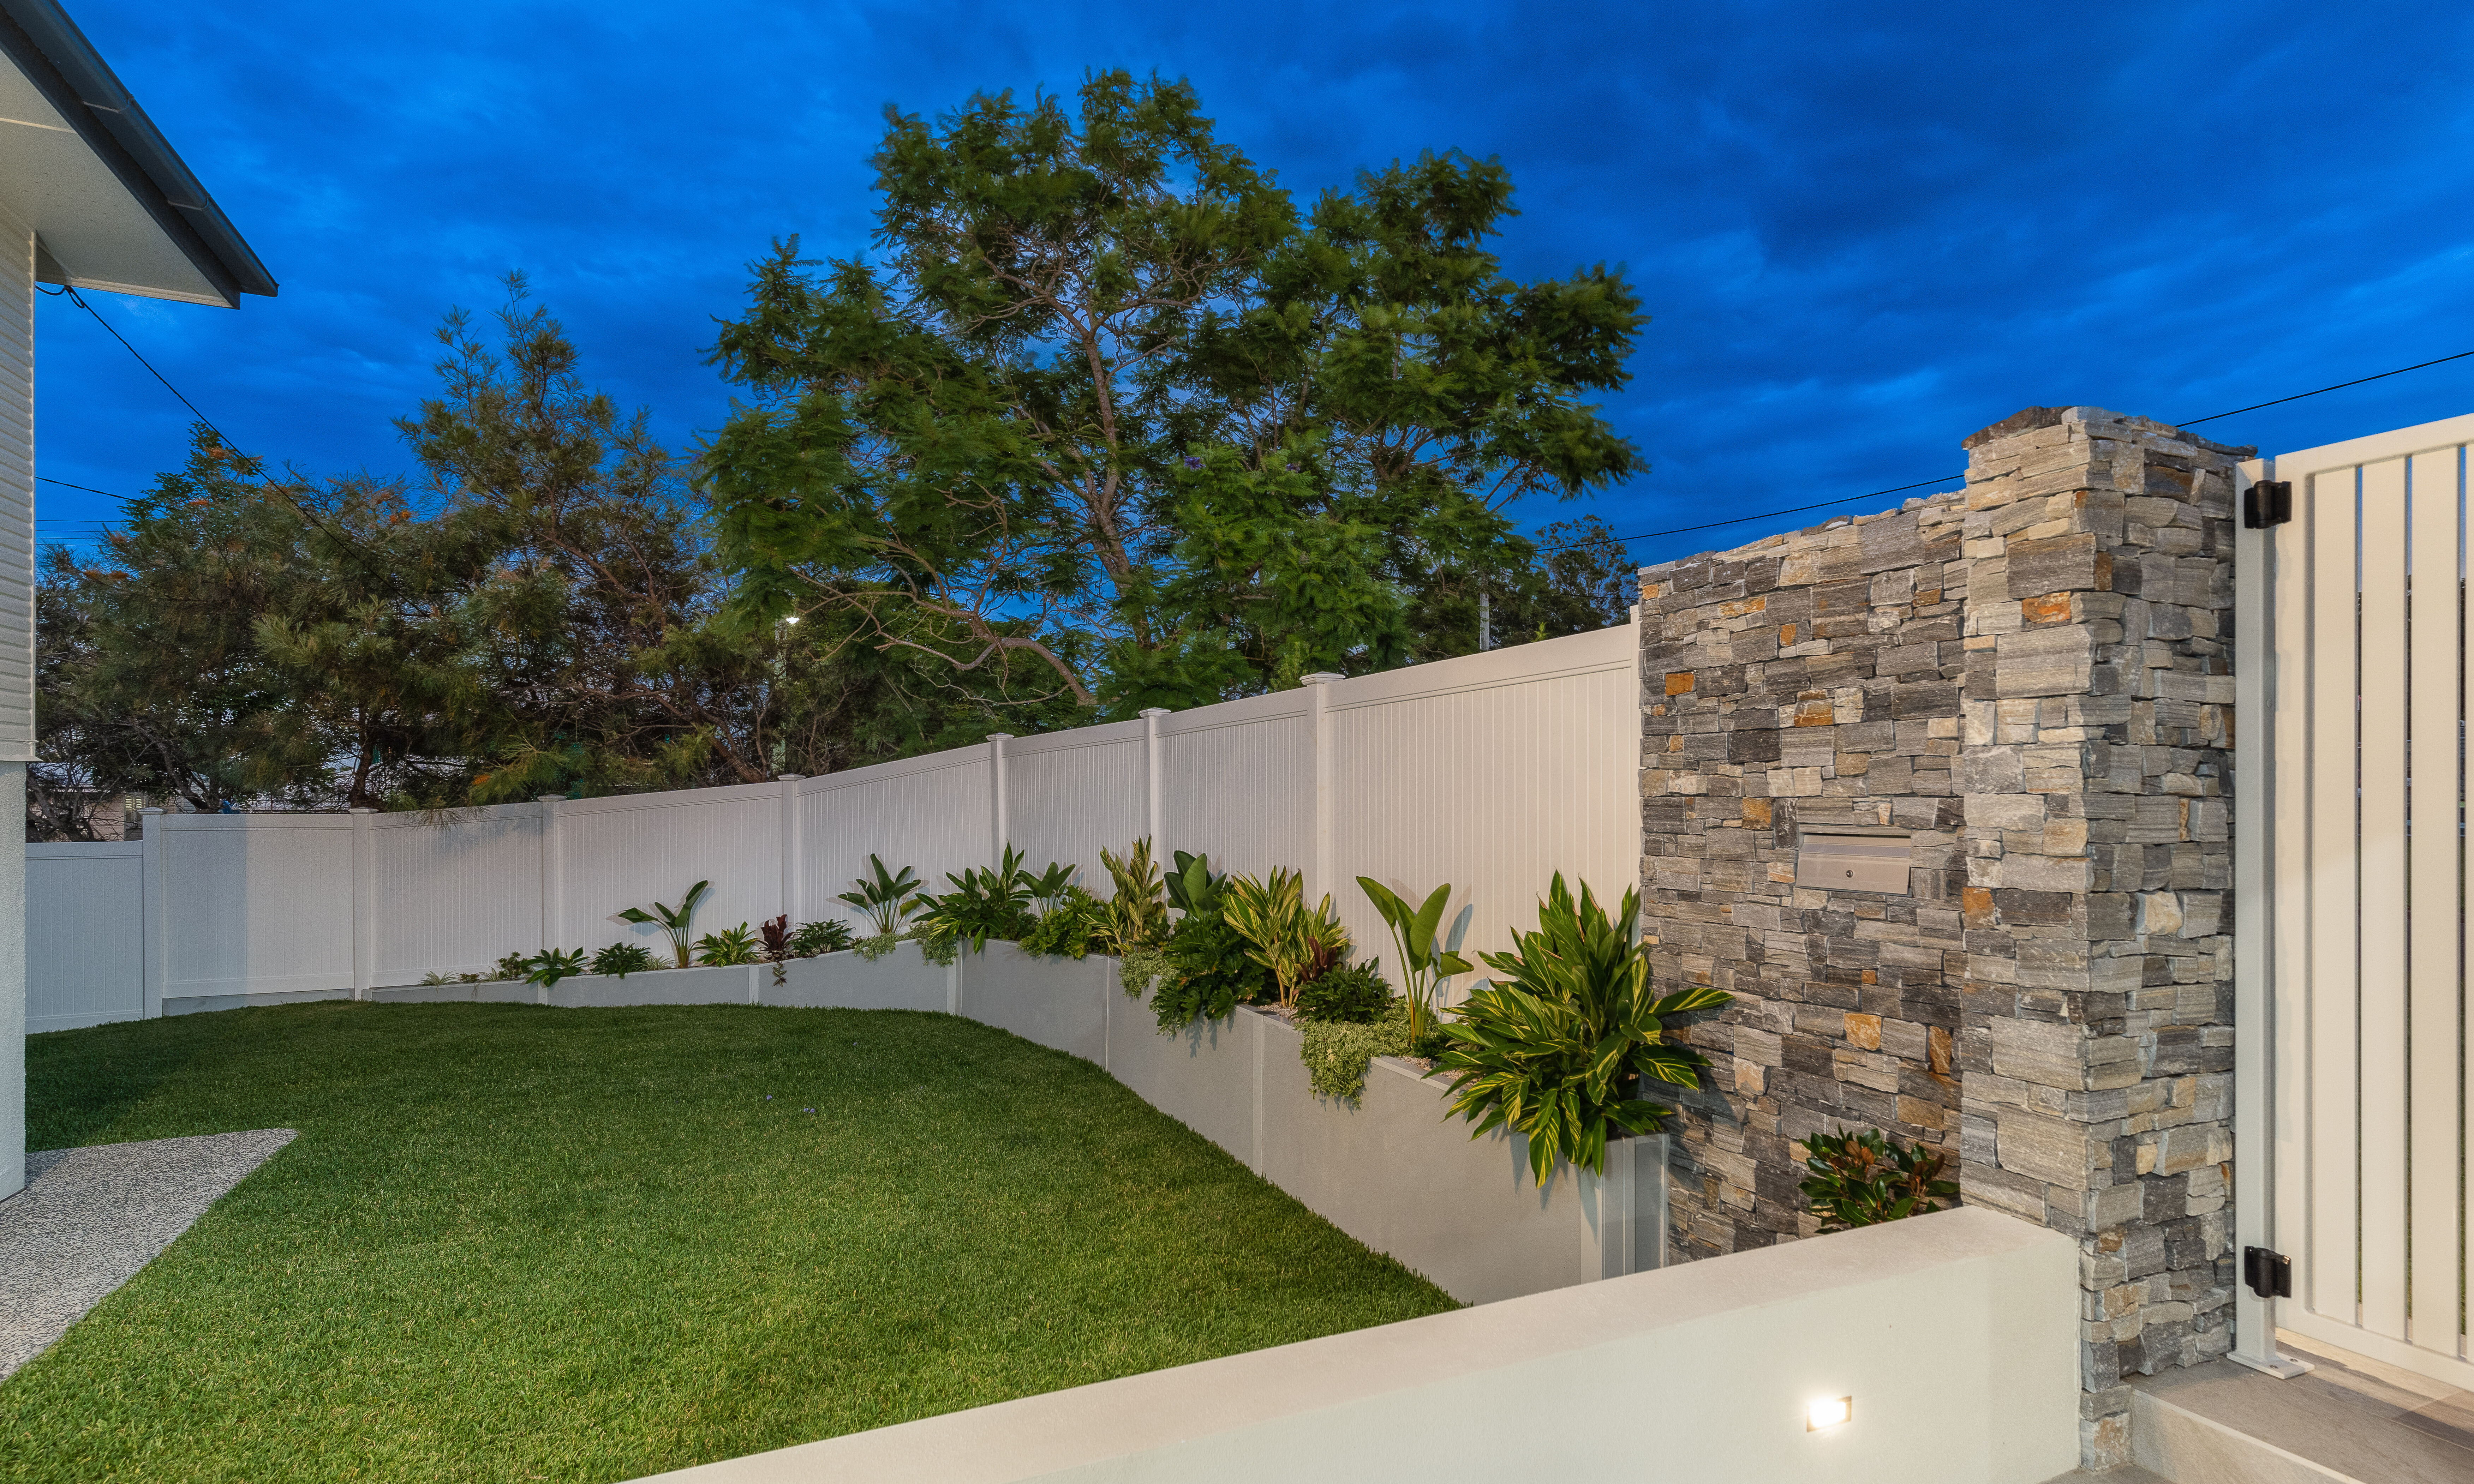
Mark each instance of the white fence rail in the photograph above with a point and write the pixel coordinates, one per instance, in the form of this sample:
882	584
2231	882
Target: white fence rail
1491	772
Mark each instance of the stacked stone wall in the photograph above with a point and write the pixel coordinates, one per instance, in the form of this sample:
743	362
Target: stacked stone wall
2031	678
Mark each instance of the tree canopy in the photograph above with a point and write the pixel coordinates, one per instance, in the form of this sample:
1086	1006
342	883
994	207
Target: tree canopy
1104	422
1109	403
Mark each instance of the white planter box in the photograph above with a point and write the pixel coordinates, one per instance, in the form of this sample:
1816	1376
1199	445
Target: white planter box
1059	1002
494	992
732	985
900	980
1394	1171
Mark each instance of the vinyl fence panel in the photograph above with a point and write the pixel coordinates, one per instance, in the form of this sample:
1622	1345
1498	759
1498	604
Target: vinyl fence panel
88	964
1238	784
1071	795
1491	772
455	893
635	850
256	904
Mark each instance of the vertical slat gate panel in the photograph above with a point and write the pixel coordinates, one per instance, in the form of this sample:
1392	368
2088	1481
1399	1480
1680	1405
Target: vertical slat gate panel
2383	916
2435	1161
2330	1286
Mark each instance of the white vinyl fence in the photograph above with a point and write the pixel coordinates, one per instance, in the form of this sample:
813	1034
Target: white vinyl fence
1491	772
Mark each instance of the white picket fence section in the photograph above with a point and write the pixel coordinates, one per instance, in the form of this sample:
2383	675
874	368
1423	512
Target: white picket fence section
2350	959
1491	772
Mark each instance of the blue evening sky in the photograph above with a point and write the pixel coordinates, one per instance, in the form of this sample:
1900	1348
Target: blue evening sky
1863	231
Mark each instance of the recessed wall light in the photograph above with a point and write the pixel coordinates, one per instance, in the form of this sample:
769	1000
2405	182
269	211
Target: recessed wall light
1828	1414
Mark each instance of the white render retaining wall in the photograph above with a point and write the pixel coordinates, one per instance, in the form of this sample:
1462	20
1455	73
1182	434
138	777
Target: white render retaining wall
1393	1172
1951	1335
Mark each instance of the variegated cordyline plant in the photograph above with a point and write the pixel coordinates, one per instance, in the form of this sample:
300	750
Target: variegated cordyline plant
1284	935
1559	1048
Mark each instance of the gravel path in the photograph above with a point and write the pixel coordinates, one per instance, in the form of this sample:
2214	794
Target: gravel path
89	1218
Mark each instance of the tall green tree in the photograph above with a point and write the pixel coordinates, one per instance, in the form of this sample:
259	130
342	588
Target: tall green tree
1110	422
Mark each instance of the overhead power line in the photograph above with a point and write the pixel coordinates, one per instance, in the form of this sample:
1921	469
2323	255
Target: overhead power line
1875	495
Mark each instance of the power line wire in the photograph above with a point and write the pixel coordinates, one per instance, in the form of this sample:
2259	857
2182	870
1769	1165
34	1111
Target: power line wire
46	479
1921	483
79	299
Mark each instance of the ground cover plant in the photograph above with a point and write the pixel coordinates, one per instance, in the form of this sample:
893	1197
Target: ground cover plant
518	1243
1861	1179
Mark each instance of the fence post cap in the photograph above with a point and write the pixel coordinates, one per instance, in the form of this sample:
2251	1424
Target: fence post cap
1322	677
1000	737
788	778
361	808
1157	710
152	808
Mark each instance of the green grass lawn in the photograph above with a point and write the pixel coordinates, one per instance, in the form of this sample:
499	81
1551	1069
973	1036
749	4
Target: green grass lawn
514	1243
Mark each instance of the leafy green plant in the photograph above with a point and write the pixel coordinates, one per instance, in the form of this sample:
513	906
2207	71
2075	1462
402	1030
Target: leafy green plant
434	977
621	959
1208	972
1072	928
942	950
1556	1051
876	946
985	902
809	939
1862	1179
1424	963
728	948
550	966
1137	909
1048	888
510	970
885	896
1353	993
1338	1053
673	922
1294	942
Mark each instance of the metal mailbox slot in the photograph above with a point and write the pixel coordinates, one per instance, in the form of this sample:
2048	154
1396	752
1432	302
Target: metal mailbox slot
1853	863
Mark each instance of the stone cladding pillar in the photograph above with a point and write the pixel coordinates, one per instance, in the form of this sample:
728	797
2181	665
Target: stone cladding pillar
2032	676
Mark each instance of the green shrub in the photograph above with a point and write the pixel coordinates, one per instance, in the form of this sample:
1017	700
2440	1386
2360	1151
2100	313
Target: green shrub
1076	924
985	902
1556	1048
728	948
1297	942
1353	993
550	966
1861	1179
1209	973
511	969
886	897
1427	960
672	923
621	959
877	946
1137	910
940	949
1338	1053
1137	966
809	939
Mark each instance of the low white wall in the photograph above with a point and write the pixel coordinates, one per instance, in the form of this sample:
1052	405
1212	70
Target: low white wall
1952	1333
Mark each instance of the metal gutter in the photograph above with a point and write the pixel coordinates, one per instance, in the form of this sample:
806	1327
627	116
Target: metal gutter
55	57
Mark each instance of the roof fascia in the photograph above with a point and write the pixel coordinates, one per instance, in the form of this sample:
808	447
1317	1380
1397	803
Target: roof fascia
55	57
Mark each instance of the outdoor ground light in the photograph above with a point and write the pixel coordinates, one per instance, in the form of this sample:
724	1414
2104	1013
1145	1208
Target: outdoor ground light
1820	1415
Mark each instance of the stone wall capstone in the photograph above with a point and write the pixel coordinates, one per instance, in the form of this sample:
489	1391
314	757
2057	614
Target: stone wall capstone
2030	678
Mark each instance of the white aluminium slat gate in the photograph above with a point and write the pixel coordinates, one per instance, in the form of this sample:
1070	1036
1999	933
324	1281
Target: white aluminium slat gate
2351	1017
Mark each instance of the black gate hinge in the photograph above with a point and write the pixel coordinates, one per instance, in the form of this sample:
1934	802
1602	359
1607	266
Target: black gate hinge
2268	503
2267	1274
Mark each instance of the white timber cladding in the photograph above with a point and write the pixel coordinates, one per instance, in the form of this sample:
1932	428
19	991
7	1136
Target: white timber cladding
2360	969
1491	772
16	492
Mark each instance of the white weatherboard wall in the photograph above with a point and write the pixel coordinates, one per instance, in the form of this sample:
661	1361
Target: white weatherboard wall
1491	772
16	673
1952	1336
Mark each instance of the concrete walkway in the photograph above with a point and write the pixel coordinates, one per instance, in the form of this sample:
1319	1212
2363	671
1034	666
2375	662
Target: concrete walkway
89	1218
